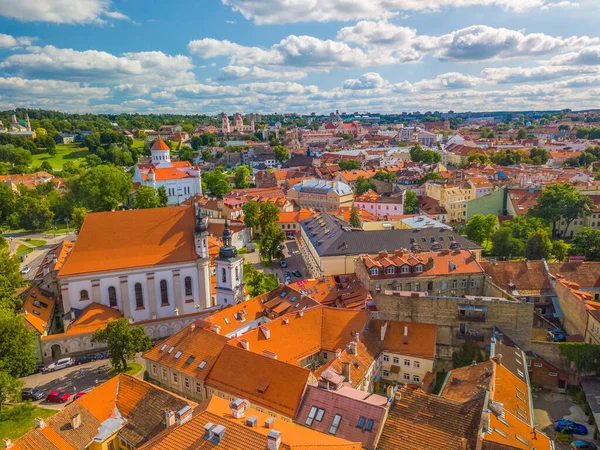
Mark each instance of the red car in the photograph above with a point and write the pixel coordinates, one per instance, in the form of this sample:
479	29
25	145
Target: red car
79	395
58	397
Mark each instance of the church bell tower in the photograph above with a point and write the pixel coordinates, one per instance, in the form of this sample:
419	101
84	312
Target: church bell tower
230	276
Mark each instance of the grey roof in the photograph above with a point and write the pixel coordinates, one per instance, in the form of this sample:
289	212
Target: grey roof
331	236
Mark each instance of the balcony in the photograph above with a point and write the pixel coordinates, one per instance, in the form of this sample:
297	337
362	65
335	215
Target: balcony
469	336
471	317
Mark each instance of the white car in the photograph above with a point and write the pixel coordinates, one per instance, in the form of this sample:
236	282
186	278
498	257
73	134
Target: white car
26	270
60	364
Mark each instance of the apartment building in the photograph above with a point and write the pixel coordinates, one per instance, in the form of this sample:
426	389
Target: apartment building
321	195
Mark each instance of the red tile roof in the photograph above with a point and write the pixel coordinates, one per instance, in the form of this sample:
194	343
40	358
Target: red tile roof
159	144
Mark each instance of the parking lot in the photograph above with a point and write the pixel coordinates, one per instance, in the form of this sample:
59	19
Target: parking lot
293	258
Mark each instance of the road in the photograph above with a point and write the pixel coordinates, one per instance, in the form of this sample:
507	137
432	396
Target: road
71	380
293	259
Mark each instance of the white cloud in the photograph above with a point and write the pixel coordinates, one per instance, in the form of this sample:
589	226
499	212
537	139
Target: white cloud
8	41
505	75
98	66
585	57
450	80
369	80
292	11
59	11
117	15
238	73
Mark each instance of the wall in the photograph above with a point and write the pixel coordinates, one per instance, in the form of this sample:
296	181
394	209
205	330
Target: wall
425	365
575	320
489	204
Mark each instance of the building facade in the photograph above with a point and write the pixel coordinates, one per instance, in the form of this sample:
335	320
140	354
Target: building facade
321	195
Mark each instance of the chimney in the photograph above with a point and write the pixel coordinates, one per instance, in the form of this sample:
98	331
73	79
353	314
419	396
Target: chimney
252	421
383	254
7	443
405	334
286	320
238	408
353	348
39	423
346	371
338	353
269	422
169	418
383	330
217	433
300	313
273	440
192	327
183	415
270	354
207	429
245	344
399	253
215	329
76	421
265	331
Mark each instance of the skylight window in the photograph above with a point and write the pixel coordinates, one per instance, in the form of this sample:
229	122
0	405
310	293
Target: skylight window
178	354
361	422
162	349
501	433
190	359
202	365
369	425
171	350
335	424
226	320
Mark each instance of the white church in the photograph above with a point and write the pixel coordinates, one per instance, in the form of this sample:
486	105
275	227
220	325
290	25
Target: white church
180	179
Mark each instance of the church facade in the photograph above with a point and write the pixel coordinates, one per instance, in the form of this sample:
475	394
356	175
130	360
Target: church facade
237	126
180	179
18	127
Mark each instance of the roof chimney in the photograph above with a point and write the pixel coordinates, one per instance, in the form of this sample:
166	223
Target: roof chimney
273	440
338	353
207	428
238	408
169	418
7	442
76	421
383	254
216	434
406	334
383	330
346	371
270	354
215	329
39	423
252	421
192	327
353	348
183	415
245	344
269	422
265	331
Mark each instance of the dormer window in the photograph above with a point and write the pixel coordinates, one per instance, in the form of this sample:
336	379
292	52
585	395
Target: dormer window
374	271
405	269
419	268
390	270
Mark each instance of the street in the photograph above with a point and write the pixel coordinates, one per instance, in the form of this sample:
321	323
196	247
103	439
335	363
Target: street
293	259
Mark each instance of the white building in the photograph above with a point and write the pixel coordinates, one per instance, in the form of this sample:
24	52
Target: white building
180	179
230	273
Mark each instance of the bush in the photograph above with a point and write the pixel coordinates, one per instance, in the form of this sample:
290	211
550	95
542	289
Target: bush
562	438
17	412
146	376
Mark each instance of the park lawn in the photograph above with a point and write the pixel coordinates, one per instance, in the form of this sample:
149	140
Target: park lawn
35	242
65	152
138	143
132	369
14	429
23	250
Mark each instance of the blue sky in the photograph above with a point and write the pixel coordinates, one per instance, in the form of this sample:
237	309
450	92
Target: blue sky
207	56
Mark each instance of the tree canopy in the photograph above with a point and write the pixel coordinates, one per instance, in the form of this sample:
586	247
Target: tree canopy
123	341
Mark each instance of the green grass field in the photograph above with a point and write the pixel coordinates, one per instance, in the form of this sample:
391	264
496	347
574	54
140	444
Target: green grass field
65	152
35	242
137	143
14	429
132	369
24	250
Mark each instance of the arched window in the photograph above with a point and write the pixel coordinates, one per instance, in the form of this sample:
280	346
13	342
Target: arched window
83	295
164	293
223	275
188	286
237	274
139	296
112	297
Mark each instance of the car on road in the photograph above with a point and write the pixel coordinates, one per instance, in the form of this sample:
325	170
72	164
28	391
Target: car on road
283	263
288	275
58	397
25	270
570	427
583	445
32	394
82	359
296	273
60	364
79	395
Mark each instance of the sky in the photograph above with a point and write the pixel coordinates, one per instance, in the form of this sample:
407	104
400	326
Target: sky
303	56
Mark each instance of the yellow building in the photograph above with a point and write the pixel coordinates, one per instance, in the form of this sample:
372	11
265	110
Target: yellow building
452	197
321	195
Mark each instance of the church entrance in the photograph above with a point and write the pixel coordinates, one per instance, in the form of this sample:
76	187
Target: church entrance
56	352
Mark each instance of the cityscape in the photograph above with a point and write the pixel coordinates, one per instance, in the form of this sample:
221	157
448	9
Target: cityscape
288	225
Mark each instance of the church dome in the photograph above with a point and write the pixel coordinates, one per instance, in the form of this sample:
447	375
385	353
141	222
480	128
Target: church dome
201	223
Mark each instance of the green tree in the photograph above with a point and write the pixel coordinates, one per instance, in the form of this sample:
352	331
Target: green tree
522	134
538	245
163	198
241	177
251	214
102	188
77	217
34	212
478	157
271	242
7	201
17	345
216	182
381	175
145	197
268	215
10	278
411	203
349	164
481	227
123	341
506	245
559	250
10	388
354	217
362	185
430	176
281	153
257	282
586	243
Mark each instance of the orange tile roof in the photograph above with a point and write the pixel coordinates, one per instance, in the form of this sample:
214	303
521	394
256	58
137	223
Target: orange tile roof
226	319
93	317
196	344
461	384
268	382
138	238
60	252
39	307
353	175
419	340
295	216
168	173
239	435
159	144
346	290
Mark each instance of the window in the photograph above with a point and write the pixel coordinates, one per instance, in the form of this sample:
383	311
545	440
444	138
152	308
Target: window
386	358
237	274
164	372
112	297
174	378
319	416
153	369
416	378
472	283
369	425
552	374
178	354
139	296
361	422
314	414
83	295
417	365
198	388
164	293
374	271
188	287
454	284
430	285
386	373
390	270
417	287
444	285
335	424
405	269
223	275
407	376
464	283
396	360
419	268
407	363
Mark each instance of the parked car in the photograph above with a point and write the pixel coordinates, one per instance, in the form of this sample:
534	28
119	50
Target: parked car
570	427
82	359
79	395
58	397
296	273
26	270
283	263
32	394
103	355
60	364
583	445
288	275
